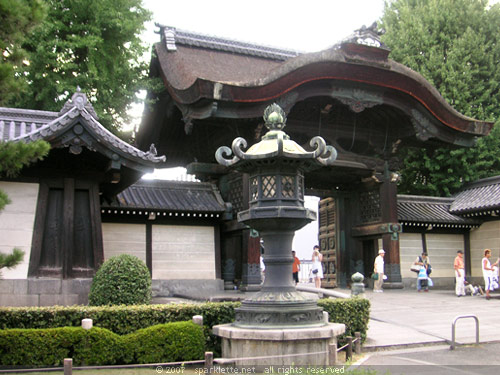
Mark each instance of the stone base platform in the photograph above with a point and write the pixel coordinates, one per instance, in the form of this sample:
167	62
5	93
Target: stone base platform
266	347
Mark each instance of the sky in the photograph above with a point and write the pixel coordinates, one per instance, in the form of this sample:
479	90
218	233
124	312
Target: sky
305	26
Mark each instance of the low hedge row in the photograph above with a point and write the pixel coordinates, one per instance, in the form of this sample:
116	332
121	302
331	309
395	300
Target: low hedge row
179	341
353	312
121	319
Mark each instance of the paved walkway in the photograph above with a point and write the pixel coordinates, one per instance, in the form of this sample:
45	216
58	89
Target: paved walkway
403	317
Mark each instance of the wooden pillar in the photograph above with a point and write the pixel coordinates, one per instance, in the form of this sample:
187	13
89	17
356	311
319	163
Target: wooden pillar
250	273
390	241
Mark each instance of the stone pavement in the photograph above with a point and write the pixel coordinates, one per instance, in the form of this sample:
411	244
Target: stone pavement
403	317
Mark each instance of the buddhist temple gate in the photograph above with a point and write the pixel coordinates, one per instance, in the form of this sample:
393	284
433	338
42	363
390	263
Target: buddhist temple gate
361	102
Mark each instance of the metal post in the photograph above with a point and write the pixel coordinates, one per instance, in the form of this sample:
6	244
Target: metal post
357	345
209	359
68	366
348	352
332	354
452	346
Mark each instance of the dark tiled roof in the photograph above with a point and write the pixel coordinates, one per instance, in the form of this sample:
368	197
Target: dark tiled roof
430	210
16	122
480	197
172	36
30	125
167	196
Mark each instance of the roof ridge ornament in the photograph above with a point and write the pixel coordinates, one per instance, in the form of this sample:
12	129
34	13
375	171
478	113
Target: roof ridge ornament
276	144
368	36
81	102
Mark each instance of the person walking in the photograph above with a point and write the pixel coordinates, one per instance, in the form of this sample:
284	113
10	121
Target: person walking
295	268
422	278
378	269
488	272
459	267
317	267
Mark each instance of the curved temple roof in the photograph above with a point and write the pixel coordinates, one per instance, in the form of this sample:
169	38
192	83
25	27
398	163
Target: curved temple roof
75	126
197	68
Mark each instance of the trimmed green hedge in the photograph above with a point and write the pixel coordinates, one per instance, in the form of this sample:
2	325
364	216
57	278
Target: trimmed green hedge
179	341
353	312
121	280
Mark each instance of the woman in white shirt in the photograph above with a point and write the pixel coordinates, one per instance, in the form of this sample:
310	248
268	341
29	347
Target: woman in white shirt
317	267
488	272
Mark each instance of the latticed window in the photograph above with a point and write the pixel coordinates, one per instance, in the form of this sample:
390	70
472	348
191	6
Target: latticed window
268	186
236	194
300	187
287	187
254	189
370	206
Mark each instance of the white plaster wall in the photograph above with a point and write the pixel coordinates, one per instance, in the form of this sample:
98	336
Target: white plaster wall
124	239
16	224
442	250
410	246
183	252
487	236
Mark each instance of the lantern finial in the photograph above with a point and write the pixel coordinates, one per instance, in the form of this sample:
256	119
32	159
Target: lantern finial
274	117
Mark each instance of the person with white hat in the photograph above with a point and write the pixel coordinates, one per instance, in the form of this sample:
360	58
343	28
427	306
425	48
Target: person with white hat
378	272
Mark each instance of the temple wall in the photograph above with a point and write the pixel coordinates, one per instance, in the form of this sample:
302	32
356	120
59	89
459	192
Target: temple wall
16	224
487	236
442	250
183	252
410	246
124	239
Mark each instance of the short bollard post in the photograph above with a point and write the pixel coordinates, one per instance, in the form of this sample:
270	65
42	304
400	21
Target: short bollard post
348	352
198	319
332	354
209	359
357	345
68	366
87	323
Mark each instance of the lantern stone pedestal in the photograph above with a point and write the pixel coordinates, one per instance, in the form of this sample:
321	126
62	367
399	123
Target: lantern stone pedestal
277	325
266	347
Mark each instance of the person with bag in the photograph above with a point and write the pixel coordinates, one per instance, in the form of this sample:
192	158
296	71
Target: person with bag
488	272
422	280
317	267
378	272
422	262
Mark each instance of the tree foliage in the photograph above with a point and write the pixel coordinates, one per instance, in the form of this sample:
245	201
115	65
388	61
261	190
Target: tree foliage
455	45
94	44
16	18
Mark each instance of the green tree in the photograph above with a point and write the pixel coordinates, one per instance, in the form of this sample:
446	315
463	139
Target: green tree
16	18
13	157
455	45
94	44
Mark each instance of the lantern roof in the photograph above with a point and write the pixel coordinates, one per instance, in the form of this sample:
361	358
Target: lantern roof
276	144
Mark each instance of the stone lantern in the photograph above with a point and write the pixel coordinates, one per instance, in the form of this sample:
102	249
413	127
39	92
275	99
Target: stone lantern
276	167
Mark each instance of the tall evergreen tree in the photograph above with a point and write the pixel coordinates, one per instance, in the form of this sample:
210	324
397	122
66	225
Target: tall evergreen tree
94	44
16	18
455	45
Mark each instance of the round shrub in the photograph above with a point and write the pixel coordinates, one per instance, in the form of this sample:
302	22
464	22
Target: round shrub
121	280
